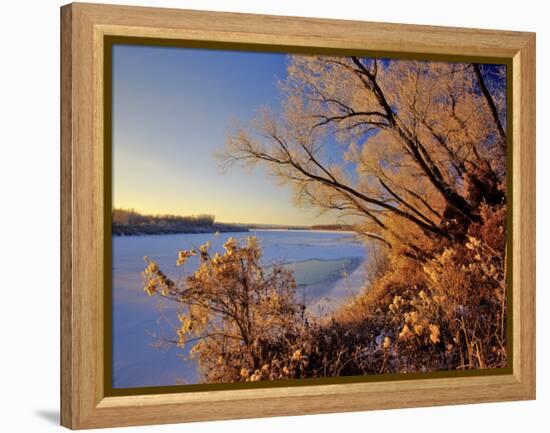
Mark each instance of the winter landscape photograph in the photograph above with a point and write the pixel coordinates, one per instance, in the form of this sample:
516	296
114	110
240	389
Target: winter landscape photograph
286	216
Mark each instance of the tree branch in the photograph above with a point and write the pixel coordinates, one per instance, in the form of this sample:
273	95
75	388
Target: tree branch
491	103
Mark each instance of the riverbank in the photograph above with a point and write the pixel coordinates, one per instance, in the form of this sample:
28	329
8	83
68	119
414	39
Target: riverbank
169	229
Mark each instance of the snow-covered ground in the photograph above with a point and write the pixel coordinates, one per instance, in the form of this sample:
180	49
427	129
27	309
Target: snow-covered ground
328	267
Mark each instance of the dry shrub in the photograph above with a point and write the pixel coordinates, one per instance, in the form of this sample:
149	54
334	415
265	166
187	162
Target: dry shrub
444	313
232	306
448	312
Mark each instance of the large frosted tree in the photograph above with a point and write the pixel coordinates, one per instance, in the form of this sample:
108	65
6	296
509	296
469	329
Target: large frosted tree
423	144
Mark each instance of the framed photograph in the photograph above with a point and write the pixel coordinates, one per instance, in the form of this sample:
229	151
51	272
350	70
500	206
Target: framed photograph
269	216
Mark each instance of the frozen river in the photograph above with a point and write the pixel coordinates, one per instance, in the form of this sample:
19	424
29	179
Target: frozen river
328	267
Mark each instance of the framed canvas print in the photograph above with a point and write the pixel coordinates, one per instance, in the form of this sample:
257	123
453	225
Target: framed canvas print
272	216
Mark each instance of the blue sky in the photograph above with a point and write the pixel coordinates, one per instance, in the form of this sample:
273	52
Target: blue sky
172	109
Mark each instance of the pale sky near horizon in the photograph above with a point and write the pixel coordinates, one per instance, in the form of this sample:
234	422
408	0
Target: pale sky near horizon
172	109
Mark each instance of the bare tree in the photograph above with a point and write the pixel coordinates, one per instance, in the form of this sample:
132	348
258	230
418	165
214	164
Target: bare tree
422	143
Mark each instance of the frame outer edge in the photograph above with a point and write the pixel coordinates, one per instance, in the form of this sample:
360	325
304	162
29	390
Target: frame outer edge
79	408
527	229
67	403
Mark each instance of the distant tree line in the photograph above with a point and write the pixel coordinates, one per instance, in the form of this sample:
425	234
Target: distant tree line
131	222
333	227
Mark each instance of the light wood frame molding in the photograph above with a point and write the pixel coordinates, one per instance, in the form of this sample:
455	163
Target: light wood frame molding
83	400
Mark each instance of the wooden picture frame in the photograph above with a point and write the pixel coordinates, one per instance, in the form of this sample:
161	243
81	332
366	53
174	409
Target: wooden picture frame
84	29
